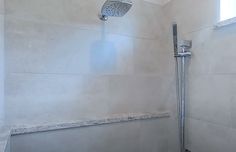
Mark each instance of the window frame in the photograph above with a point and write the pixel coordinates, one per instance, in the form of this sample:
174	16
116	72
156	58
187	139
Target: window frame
226	22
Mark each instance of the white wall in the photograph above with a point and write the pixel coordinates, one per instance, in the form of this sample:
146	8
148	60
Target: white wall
1	62
63	63
211	102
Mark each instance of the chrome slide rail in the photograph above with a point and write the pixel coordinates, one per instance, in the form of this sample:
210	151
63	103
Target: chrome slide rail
181	53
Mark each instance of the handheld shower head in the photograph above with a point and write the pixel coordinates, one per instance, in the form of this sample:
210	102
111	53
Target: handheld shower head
115	8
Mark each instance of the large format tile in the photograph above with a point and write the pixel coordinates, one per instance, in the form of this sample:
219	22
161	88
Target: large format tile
202	53
173	135
203	136
232	140
48	48
233	103
135	136
153	135
55	98
139	93
1	32
223	47
143	20
213	51
56	11
2	7
117	137
209	98
2	73
152	57
1	44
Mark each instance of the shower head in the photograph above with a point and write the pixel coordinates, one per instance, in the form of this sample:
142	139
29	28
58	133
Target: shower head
115	8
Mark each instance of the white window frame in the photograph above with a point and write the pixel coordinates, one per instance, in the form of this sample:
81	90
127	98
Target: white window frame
227	13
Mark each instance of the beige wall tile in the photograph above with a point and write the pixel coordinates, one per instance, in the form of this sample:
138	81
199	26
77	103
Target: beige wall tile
202	55
55	98
232	139
233	104
2	7
207	137
2	73
142	21
133	137
47	48
99	138
139	93
173	135
153	135
209	98
213	51
152	57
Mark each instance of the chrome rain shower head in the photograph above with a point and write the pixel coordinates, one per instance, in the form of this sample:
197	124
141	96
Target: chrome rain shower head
115	8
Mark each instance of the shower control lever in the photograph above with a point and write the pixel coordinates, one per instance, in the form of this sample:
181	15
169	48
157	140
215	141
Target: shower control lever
183	54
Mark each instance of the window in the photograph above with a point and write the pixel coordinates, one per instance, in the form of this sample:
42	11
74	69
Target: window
227	9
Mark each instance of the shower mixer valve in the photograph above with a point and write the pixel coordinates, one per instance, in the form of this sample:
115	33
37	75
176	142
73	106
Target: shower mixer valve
184	50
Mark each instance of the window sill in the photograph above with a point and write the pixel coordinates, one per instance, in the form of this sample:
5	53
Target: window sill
225	23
